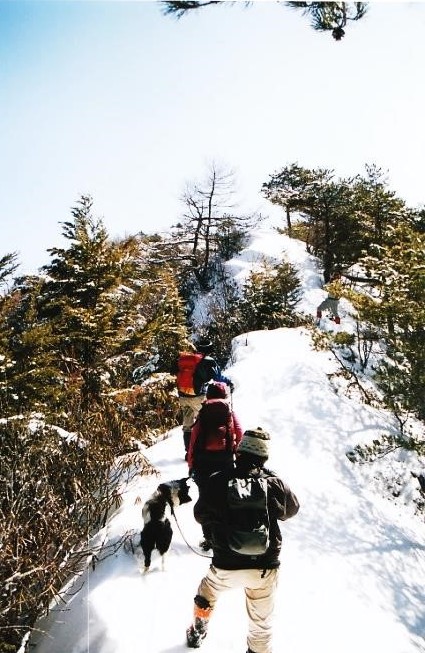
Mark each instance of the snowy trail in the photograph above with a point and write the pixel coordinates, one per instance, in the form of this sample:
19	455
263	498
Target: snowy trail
353	564
348	559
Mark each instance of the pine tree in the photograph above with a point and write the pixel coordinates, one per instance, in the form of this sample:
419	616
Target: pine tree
288	188
377	207
397	307
269	298
8	265
32	379
324	16
79	297
341	218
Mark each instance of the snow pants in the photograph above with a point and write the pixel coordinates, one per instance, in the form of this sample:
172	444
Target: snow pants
190	407
260	588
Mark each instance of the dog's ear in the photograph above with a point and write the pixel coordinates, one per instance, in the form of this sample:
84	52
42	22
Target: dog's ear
165	490
175	492
183	493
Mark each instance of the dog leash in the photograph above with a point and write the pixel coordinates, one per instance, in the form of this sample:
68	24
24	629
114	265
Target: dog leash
187	543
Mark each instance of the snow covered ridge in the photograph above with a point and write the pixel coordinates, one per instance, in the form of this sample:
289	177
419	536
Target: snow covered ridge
353	559
388	460
349	557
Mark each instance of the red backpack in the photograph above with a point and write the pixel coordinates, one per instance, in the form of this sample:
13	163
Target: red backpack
186	366
215	426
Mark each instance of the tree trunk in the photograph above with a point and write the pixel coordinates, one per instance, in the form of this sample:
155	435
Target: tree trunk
288	219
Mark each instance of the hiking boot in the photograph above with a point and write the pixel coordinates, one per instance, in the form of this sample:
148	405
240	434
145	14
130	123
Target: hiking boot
197	632
195	635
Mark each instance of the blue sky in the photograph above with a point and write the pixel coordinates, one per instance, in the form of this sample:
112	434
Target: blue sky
119	101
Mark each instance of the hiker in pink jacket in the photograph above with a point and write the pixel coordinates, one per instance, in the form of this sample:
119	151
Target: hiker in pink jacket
214	439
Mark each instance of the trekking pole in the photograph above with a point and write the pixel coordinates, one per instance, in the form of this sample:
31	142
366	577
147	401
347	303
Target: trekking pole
181	533
231	400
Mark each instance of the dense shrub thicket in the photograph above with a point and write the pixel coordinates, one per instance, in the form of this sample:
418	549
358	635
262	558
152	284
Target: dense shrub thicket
72	416
57	490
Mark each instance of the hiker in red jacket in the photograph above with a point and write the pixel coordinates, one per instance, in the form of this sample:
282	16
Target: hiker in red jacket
194	371
214	439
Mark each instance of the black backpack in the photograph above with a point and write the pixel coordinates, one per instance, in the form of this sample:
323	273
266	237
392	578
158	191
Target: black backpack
205	371
248	526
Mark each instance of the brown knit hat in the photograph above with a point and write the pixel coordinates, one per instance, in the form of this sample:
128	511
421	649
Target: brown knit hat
255	442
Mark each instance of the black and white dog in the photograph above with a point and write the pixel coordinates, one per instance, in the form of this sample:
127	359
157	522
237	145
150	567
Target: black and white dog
157	532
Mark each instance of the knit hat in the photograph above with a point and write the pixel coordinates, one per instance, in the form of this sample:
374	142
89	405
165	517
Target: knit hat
204	346
216	390
255	442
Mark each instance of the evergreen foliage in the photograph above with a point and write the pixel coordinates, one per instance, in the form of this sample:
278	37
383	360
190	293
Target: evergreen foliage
331	16
287	189
269	298
221	321
397	309
8	266
324	16
378	207
77	297
30	378
341	218
69	343
231	236
266	301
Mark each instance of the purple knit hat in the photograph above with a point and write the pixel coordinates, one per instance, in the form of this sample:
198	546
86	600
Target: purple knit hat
216	390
